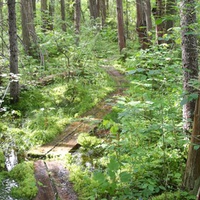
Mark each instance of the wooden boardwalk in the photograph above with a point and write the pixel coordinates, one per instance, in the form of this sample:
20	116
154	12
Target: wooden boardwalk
51	176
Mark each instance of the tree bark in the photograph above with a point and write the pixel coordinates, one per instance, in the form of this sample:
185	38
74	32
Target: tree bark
28	27
14	86
158	13
63	15
2	34
191	180
51	13
34	7
93	9
77	19
170	11
103	12
141	24
147	9
120	25
44	15
189	58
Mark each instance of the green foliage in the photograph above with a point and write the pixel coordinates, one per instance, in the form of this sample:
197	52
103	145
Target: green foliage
179	195
23	173
2	161
144	154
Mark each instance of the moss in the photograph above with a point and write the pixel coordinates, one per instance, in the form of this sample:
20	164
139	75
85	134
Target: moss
23	174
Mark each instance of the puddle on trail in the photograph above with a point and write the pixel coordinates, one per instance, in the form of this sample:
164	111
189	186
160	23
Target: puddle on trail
5	187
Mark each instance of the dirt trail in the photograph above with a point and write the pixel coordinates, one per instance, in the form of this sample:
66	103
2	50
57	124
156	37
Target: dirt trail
51	176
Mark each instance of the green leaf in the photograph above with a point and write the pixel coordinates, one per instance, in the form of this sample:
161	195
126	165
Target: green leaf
158	21
125	176
113	165
196	147
114	129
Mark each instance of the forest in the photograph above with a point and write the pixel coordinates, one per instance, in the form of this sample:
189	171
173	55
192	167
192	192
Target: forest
99	100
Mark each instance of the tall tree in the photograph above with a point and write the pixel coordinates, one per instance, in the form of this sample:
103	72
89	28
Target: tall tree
63	15
120	25
14	85
34	6
141	24
190	68
170	11
2	33
28	27
93	9
77	19
51	13
1	22
158	12
189	58
147	9
44	15
103	12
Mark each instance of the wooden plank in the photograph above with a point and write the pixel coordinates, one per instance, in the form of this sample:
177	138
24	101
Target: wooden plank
45	188
60	178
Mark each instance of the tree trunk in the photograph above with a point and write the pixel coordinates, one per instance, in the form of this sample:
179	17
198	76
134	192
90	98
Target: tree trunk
14	86
120	23
170	11
77	19
103	12
44	15
63	15
2	34
93	9
34	7
191	180
147	9
141	24
189	59
28	27
158	13
51	13
1	21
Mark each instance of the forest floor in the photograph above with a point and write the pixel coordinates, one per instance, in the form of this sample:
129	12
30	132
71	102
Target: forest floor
52	177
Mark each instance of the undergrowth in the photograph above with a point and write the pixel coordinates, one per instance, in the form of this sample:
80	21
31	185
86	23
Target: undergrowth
66	81
23	174
144	155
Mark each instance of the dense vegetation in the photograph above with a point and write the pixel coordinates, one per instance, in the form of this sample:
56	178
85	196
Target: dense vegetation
139	151
145	152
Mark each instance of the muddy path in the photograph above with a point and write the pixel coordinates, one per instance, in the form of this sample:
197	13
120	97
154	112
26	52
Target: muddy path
52	177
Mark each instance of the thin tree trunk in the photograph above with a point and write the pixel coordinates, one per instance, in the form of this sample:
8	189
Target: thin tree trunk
14	86
1	21
103	12
93	9
191	180
170	11
120	23
158	13
1	25
63	15
44	15
28	27
127	19
189	58
34	7
51	13
147	6
77	19
141	24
